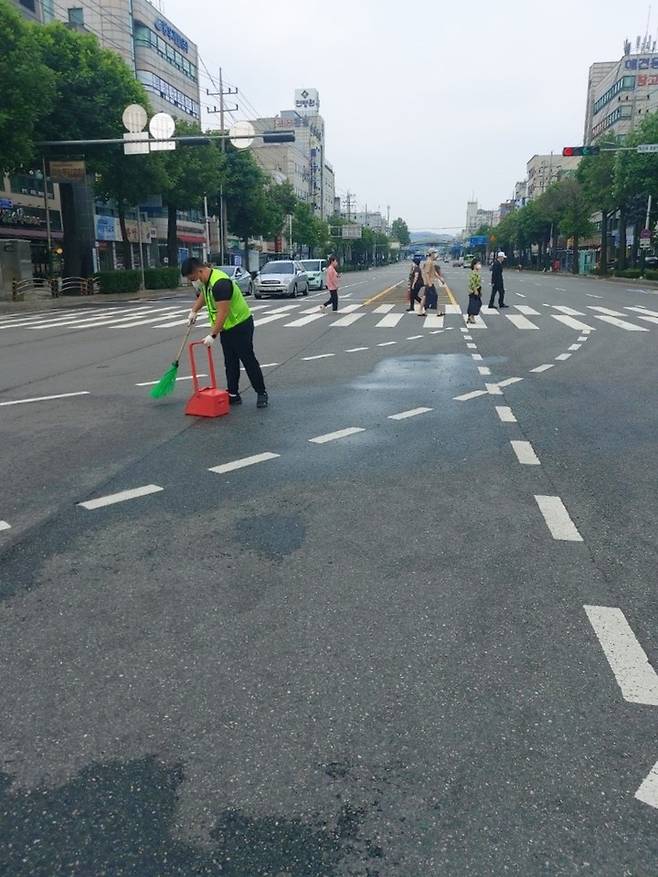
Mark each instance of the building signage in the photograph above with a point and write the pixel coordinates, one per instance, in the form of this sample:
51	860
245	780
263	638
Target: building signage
168	31
644	79
642	63
105	228
6	204
67	171
307	101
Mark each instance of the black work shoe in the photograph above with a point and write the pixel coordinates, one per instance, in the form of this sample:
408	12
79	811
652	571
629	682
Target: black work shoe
235	400
504	306
262	400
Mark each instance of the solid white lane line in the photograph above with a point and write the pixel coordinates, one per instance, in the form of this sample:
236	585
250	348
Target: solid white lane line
573	324
472	346
122	496
529	312
520	321
383	309
333	436
472	395
484	369
505	414
413	412
621	324
563	356
607	311
557	519
509	381
269	318
493	390
542	368
303	321
433	321
245	461
4	525
45	398
318	356
348	320
386	343
477	357
389	321
356	349
648	791
413	337
185	378
570	312
575	347
525	453
628	661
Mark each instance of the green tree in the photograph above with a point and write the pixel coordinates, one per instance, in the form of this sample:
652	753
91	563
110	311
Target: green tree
400	231
245	189
190	173
596	174
574	219
27	90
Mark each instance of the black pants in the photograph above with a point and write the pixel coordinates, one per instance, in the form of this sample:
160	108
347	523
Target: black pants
238	347
500	289
332	300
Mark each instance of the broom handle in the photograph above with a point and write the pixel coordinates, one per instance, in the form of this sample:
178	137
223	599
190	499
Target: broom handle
187	335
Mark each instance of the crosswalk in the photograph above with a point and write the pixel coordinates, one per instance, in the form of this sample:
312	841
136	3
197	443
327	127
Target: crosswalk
160	316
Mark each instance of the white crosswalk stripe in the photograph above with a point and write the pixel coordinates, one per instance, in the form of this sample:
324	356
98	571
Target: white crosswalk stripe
520	321
433	321
479	322
528	311
573	324
348	320
570	312
621	324
383	309
389	321
302	321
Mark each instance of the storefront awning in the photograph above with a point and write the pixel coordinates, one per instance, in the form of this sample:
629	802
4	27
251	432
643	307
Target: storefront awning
33	234
190	238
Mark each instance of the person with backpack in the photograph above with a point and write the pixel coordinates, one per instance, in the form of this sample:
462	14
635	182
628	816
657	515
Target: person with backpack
415	283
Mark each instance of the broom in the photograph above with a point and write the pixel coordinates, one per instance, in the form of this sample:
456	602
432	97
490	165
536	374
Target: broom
167	382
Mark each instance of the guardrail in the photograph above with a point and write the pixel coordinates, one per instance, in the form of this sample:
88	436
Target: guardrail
34	286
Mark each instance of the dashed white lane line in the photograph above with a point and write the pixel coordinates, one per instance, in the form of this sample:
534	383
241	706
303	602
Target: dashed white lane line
509	381
383	309
505	414
122	496
185	378
472	395
333	436
528	311
317	356
413	337
262	365
386	343
347	320
356	349
573	324
628	661
621	324
493	390
563	356
575	347
477	357
4	526
484	370
389	321
591	295
413	412
542	368
525	453
464	329
44	398
557	519
468	337
583	337
245	461
520	294
472	346
648	791
520	321
559	289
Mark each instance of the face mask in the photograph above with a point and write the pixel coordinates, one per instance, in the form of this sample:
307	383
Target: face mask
197	285
478	267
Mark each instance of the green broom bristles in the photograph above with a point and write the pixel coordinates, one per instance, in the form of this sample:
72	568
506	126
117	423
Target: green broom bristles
166	383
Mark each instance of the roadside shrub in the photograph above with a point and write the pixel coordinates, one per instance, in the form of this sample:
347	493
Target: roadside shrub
651	274
629	273
162	278
119	281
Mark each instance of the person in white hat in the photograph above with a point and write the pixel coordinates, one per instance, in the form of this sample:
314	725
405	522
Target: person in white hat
497	285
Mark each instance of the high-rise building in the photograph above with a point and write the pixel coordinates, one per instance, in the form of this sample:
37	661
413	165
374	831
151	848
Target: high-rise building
621	93
471	216
543	170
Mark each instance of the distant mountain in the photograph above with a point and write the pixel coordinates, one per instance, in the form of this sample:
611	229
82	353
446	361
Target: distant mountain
430	236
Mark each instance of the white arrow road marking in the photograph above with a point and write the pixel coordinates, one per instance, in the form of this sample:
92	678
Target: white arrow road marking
628	661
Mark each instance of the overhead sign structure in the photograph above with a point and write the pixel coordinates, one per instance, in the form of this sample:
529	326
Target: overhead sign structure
242	135
645	148
478	240
137	140
162	127
351	232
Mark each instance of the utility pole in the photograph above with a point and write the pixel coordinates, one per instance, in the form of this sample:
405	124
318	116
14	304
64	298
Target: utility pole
49	235
348	204
221	94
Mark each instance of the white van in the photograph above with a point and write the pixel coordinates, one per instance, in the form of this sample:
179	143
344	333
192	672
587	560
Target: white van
316	271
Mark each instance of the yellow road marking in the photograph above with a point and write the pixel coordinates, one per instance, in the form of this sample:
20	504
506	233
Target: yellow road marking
453	300
383	292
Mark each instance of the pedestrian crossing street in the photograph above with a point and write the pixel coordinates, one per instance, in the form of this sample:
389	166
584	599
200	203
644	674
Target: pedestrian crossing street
296	315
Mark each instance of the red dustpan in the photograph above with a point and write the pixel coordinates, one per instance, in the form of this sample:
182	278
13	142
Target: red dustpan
206	401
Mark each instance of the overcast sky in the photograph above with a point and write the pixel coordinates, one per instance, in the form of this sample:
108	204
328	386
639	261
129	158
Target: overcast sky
427	103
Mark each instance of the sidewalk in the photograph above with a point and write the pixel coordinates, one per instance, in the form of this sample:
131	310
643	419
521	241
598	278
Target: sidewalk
69	301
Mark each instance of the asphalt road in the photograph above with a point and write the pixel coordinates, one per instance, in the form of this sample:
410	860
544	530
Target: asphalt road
407	628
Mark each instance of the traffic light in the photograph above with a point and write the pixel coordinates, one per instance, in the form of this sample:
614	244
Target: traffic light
581	150
278	137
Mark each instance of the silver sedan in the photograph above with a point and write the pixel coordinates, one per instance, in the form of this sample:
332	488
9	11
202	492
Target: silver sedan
281	278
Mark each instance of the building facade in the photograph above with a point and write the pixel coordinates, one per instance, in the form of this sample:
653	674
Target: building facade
621	93
544	170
